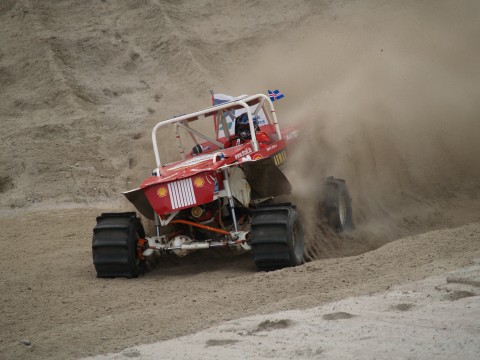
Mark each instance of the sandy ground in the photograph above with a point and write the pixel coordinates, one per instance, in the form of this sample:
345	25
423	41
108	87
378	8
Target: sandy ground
435	318
386	93
53	300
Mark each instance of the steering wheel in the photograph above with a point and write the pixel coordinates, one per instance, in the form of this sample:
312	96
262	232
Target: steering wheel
236	140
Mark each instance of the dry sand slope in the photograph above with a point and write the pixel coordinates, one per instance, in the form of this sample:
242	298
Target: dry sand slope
53	300
387	94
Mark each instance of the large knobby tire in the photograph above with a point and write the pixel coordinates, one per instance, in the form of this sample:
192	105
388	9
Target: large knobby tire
338	205
115	245
295	239
277	237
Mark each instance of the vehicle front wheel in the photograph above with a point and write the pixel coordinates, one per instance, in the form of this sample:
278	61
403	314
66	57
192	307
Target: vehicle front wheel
115	245
277	237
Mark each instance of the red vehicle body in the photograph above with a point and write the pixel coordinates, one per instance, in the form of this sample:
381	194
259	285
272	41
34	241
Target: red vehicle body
213	196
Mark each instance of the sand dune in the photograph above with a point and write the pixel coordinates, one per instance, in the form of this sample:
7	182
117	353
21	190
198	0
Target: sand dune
387	97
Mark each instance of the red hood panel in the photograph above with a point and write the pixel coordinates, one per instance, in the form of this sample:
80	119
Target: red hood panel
198	164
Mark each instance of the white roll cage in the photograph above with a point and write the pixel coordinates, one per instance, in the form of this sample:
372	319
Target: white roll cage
243	102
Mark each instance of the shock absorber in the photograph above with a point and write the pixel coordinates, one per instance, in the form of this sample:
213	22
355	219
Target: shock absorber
157	223
226	184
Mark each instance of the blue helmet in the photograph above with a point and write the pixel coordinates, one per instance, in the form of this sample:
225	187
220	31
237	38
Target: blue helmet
242	126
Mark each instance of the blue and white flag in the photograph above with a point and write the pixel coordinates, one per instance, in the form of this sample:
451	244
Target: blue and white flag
275	95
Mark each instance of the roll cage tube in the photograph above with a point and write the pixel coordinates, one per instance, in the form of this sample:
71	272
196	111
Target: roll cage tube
192	133
244	102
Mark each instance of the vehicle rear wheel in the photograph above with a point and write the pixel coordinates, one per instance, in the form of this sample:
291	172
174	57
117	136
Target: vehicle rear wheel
115	245
338	205
277	237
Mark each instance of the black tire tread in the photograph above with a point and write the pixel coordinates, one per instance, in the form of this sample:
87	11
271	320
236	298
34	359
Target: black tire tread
114	245
269	230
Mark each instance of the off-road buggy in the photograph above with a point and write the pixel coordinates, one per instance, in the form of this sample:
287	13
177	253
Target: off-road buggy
216	196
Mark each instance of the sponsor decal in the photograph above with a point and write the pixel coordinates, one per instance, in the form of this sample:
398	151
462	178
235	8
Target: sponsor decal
274	146
280	158
243	153
162	191
257	157
199	181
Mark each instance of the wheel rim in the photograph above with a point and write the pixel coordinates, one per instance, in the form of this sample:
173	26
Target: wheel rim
342	210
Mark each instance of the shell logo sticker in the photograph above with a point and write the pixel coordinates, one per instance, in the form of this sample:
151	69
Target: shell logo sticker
199	182
162	191
257	157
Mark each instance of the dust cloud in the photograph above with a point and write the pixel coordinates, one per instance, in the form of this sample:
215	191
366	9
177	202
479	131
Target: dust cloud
387	95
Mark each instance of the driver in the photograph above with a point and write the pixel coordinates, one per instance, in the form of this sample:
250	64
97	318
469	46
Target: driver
242	133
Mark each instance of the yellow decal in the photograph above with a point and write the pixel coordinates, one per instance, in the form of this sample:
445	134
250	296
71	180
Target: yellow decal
199	181
162	191
257	157
280	158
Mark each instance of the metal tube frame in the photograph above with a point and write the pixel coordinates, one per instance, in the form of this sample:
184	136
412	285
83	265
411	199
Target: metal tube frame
201	114
198	133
